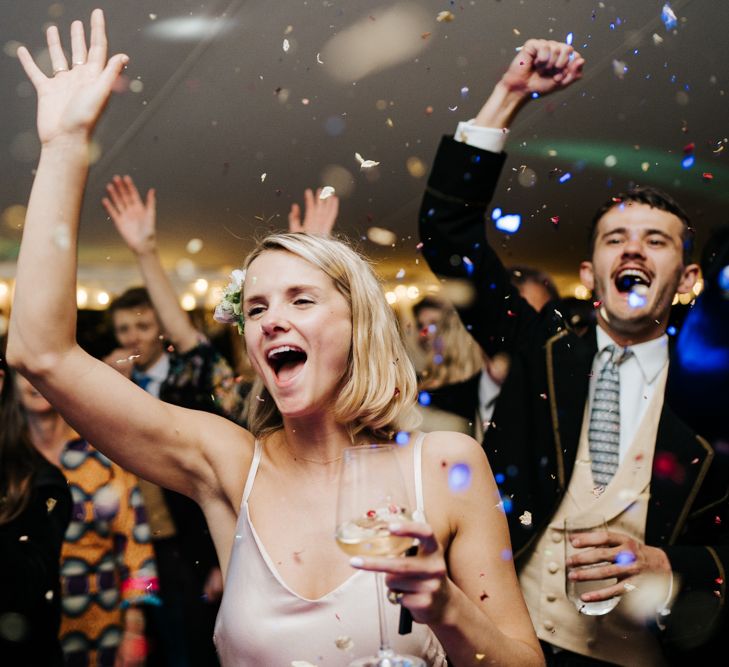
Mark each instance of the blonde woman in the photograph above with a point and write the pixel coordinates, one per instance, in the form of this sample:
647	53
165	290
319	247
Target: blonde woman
449	379
332	372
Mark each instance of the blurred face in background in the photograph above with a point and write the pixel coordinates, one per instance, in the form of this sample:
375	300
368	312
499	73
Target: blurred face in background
427	321
137	330
31	399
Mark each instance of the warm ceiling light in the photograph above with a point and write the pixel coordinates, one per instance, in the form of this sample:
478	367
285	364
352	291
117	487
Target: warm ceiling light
82	297
188	301
102	298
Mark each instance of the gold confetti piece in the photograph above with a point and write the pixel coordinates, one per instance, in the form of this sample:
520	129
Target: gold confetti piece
389	123
344	643
480	656
263	177
445	17
48	595
50	504
365	164
526	519
23	538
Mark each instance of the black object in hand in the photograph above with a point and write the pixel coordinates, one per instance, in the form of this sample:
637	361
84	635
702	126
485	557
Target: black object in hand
405	627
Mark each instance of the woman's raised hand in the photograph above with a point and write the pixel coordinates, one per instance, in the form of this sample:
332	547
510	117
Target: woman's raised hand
71	101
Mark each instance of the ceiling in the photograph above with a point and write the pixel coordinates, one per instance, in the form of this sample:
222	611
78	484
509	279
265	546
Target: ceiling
231	108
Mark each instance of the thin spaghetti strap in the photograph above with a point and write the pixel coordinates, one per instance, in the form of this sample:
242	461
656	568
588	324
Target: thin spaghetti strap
257	452
419	514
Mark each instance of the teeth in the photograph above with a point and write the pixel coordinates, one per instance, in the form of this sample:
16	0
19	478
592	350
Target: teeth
280	350
635	272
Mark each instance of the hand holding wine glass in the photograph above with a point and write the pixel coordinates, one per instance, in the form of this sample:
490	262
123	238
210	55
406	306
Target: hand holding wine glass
372	512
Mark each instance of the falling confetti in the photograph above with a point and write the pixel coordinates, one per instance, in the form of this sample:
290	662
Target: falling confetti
402	438
657	39
668	16
344	643
381	236
526	519
263	176
619	68
365	164
624	558
445	17
194	246
128	359
400	274
286	45
326	192
424	398
459	477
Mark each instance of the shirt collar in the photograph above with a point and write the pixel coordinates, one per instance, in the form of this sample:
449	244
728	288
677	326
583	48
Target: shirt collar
651	356
159	370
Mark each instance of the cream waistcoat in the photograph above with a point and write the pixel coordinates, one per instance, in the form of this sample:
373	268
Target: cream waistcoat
614	637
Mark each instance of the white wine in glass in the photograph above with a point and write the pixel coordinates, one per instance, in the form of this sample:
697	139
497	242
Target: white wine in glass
372	496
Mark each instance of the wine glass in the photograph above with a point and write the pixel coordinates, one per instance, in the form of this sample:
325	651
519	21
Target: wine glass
575	526
372	496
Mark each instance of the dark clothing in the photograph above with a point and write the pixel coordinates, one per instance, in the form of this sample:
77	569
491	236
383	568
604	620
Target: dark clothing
30	594
538	416
460	398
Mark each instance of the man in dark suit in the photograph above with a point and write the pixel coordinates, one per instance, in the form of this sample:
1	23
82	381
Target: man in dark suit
560	441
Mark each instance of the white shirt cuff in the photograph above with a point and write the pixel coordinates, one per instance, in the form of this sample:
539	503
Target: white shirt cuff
487	138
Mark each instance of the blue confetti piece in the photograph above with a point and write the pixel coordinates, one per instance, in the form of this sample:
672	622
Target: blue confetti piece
535	95
569	38
499	477
496	213
625	558
636	300
509	223
724	279
668	16
464	92
688	162
671	331
402	437
424	398
506	504
459	477
437	359
468	264
565	177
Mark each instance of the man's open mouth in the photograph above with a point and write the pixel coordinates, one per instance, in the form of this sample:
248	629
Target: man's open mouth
627	279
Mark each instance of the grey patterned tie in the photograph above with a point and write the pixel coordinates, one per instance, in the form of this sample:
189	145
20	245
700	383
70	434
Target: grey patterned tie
604	435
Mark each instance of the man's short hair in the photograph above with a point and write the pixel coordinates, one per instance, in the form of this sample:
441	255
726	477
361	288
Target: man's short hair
654	198
134	297
427	302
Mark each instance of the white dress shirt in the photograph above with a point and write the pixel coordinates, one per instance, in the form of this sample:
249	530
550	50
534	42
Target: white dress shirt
638	374
157	373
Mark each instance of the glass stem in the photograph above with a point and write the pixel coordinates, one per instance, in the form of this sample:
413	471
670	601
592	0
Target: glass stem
385	650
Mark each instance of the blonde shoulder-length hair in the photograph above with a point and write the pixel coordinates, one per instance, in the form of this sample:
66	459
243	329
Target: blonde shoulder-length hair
378	391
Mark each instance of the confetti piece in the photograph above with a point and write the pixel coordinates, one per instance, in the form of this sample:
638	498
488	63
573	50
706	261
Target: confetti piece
389	123
554	219
194	246
286	45
620	68
565	177
49	595
23	538
402	438
50	504
707	176
526	519
344	643
62	237
624	558
365	164
459	477
668	16
128	359
263	176
428	110
657	39
326	192
381	236
424	398
445	17
509	223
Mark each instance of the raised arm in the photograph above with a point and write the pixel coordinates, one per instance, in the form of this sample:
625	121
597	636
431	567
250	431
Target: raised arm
320	213
111	412
462	182
135	220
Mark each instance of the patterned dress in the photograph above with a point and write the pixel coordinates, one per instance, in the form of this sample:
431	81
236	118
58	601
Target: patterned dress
107	560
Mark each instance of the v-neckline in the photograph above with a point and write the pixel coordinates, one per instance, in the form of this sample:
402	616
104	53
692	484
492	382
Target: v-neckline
275	573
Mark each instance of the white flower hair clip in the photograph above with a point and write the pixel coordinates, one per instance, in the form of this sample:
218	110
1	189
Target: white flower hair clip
228	311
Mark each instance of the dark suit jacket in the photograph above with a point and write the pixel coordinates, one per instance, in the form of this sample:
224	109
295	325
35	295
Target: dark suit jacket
538	416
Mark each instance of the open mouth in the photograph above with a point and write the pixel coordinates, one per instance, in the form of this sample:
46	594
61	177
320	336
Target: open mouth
627	280
286	361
